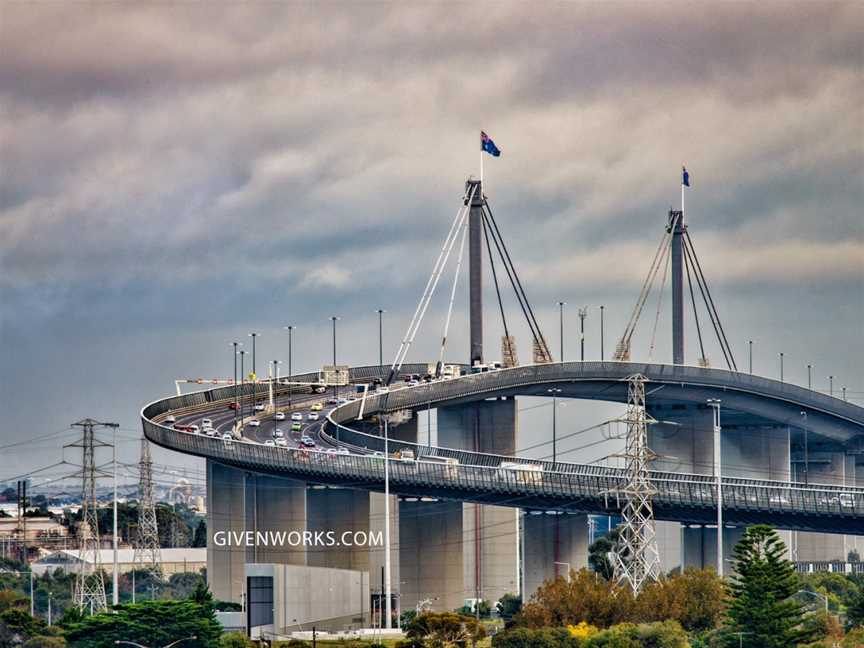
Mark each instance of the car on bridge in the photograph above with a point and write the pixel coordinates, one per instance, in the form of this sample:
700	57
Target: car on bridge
254	423
259	407
312	416
234	406
270	443
279	416
278	434
307	441
297	416
296	427
523	472
316	407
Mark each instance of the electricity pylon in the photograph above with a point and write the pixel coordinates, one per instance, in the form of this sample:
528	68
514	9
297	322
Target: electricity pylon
89	591
635	558
147	553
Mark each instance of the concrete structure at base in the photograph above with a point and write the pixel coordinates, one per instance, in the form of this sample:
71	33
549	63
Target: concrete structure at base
683	438
285	598
826	468
553	543
239	501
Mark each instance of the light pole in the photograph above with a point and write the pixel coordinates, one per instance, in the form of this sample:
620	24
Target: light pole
781	366
173	643
830	385
714	403
290	330
554	391
601	333
561	305
583	313
387	608
334	319
381	312
806	450
750	348
818	595
274	379
809	376
242	380
566	564
254	372
236	396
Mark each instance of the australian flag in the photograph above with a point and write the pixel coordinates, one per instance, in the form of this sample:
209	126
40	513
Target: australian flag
685	177
486	144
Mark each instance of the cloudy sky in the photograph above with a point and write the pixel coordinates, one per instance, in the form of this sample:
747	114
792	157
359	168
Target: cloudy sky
177	175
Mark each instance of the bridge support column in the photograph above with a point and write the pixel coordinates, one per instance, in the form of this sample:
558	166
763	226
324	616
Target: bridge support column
488	549
225	513
684	441
275	505
550	539
835	469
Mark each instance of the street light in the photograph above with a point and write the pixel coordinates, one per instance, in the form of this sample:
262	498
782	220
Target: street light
561	306
242	380
334	319
806	450
173	643
750	347
714	403
290	330
809	376
254	372
274	380
381	312
554	391
781	366
567	564
236	397
830	385
601	332
583	313
818	595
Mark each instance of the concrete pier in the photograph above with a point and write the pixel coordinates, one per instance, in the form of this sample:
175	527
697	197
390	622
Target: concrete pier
550	539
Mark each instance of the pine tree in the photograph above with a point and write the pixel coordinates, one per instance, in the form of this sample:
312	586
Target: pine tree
761	604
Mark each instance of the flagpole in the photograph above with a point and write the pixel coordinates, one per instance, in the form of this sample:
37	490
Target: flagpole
481	165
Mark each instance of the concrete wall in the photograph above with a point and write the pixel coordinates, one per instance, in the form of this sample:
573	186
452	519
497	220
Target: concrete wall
274	504
550	539
330	599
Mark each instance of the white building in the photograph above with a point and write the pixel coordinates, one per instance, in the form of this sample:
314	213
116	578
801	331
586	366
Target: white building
174	561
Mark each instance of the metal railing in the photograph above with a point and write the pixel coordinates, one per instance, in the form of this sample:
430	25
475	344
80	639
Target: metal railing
482	477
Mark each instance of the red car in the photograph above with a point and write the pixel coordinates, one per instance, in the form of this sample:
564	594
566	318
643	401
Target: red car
233	406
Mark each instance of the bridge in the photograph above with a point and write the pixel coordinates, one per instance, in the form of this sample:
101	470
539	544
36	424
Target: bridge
561	486
775	429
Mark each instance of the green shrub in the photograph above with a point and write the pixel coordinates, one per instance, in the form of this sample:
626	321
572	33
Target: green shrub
235	640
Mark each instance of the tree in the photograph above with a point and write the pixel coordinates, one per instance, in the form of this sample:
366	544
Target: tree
599	550
149	623
235	640
509	606
693	598
19	621
761	599
582	597
199	539
855	612
664	634
442	629
45	642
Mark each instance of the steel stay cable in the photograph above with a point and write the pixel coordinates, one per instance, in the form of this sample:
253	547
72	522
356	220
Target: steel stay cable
541	341
693	302
520	298
733	366
714	322
661	291
453	292
430	284
495	277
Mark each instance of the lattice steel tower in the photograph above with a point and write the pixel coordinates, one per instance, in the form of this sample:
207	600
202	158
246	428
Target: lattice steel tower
89	590
636	558
147	553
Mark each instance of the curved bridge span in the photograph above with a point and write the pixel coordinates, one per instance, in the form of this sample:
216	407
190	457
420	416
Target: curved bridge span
560	486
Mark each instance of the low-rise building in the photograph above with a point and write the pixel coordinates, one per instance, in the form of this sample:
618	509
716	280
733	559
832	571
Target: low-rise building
175	560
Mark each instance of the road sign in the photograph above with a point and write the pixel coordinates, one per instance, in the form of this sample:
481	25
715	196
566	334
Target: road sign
335	375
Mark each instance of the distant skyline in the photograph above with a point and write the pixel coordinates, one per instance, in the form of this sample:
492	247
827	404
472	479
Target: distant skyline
175	176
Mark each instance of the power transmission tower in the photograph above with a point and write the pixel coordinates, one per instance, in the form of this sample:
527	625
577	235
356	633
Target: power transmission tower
89	591
635	558
147	553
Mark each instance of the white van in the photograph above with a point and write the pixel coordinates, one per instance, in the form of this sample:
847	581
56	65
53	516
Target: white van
527	473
